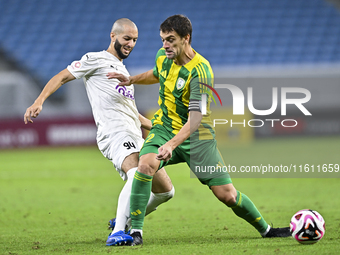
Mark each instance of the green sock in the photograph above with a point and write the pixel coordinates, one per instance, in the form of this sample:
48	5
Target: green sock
140	194
245	209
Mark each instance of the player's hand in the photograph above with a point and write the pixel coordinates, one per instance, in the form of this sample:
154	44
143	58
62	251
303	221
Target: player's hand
124	80
164	152
32	111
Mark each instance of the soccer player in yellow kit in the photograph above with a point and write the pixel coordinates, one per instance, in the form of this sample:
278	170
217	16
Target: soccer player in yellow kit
179	132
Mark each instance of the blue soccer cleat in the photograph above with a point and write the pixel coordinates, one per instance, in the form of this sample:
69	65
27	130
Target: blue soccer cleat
119	239
112	224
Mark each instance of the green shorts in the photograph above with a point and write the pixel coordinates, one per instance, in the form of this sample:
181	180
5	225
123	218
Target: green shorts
202	156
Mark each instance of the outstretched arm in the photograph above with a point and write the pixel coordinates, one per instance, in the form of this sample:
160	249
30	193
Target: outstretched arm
146	78
53	84
146	123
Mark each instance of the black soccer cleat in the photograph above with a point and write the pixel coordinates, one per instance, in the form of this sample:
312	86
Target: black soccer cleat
278	232
137	239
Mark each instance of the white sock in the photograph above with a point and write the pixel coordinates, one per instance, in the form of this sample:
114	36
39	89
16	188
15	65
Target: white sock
265	232
123	207
137	230
158	198
155	200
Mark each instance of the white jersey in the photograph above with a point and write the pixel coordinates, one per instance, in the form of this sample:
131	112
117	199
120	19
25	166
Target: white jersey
114	109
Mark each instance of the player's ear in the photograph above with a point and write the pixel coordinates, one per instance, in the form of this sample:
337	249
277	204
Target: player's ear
112	36
187	38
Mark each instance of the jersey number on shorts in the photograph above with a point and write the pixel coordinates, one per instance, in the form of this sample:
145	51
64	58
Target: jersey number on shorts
129	145
148	139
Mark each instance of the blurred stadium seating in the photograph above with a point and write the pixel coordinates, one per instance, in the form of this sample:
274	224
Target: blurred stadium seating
257	43
44	36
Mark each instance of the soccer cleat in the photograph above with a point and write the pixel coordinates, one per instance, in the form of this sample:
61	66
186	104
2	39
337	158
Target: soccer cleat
112	224
119	238
137	238
278	232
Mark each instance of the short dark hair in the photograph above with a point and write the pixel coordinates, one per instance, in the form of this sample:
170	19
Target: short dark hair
178	23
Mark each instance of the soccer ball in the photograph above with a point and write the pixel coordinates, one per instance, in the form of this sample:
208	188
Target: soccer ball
307	226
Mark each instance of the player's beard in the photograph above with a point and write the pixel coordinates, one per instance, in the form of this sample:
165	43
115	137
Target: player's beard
118	47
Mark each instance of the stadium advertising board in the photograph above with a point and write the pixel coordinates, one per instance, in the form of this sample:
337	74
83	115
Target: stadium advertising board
63	132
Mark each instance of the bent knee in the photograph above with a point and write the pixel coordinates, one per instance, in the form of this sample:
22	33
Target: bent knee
146	169
148	164
227	195
228	199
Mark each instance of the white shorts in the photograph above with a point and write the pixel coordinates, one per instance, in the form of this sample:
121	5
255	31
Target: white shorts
117	146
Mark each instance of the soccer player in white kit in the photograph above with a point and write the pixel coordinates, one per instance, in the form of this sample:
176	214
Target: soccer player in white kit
118	122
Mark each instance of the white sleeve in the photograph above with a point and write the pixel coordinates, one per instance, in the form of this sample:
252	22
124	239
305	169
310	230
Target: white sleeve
86	65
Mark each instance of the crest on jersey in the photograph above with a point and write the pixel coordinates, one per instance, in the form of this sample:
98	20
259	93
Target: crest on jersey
180	83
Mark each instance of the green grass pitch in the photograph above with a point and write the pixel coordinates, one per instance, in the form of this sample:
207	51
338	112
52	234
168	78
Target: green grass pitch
59	200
